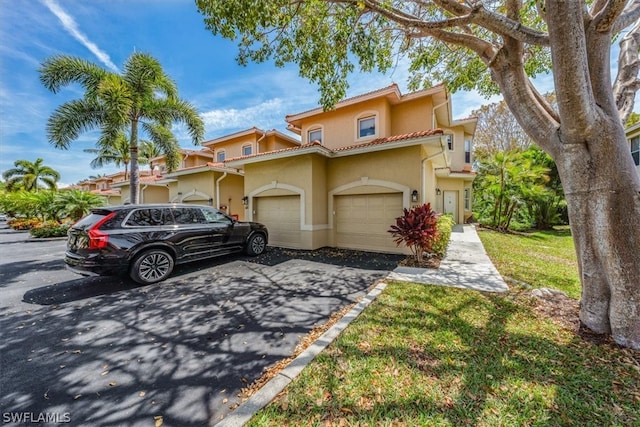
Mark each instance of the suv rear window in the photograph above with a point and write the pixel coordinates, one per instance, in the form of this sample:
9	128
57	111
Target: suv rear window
149	217
91	219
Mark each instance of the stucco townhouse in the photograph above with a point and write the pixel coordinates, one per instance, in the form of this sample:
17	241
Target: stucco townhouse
357	167
633	138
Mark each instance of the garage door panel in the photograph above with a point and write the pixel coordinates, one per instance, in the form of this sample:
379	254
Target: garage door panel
281	215
362	221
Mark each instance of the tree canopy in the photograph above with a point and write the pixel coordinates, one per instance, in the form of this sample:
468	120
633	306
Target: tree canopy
141	98
31	176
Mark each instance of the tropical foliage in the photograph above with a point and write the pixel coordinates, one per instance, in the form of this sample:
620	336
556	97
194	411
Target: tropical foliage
518	190
417	229
30	176
141	99
31	208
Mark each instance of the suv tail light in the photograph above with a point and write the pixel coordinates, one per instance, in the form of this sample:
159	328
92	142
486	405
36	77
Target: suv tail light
98	239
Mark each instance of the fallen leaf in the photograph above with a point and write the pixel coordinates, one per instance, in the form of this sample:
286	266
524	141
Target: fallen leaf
112	383
142	394
158	420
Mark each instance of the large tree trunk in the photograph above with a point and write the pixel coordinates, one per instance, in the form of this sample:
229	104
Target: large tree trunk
586	139
602	189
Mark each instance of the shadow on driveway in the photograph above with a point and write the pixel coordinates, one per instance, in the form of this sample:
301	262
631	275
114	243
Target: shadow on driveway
181	350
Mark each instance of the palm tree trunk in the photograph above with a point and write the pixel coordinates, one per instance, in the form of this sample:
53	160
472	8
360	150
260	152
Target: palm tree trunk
135	175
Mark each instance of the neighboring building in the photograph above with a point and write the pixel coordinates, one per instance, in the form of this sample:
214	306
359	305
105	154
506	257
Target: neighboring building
358	166
248	142
633	137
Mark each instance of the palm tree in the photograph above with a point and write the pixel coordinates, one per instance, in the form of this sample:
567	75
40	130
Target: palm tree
141	98
118	153
28	175
77	203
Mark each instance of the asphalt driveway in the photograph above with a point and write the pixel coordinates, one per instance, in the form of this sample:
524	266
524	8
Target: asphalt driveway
181	350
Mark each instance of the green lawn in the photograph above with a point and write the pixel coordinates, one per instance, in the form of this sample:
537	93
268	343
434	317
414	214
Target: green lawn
424	355
543	259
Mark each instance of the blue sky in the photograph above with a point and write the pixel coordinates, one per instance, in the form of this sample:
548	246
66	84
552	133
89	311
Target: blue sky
106	32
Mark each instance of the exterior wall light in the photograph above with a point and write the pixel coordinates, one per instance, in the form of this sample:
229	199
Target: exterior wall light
245	201
414	196
438	191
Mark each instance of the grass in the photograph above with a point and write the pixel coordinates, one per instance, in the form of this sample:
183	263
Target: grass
424	355
542	259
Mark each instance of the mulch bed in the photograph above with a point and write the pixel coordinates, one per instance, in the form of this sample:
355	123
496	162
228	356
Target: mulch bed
333	256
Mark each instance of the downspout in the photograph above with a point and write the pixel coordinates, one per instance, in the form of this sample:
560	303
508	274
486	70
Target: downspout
433	112
264	134
224	175
424	162
142	193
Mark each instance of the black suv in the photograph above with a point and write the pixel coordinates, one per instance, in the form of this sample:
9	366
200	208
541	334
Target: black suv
147	241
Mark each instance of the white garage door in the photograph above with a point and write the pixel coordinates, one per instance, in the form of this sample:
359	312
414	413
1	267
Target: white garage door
362	221
281	215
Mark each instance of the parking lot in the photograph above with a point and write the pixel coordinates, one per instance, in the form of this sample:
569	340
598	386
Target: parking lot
105	351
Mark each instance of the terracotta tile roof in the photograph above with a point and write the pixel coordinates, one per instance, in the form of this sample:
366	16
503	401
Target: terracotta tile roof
353	98
375	142
393	138
282	150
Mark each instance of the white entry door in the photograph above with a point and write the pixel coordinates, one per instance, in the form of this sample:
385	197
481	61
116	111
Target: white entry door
451	204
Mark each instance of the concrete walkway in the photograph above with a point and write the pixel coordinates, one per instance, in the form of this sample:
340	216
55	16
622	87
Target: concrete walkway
466	265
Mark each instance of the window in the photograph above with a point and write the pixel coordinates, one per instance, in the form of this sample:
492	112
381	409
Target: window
221	156
315	135
246	150
366	127
467	199
148	218
467	151
450	142
188	216
635	150
213	216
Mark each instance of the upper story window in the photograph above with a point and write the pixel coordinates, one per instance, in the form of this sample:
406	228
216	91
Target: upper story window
366	126
635	150
221	156
450	142
246	150
315	135
467	151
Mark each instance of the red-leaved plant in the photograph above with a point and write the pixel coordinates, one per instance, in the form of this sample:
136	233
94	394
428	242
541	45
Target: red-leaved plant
417	229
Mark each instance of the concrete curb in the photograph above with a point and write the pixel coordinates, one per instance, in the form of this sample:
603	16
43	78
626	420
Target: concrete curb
269	391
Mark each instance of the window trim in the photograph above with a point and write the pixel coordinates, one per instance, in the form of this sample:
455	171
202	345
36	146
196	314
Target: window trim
467	150
250	147
467	199
376	125
312	130
636	151
224	156
450	142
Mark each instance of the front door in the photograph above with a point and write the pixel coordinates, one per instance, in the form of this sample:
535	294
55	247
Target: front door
451	204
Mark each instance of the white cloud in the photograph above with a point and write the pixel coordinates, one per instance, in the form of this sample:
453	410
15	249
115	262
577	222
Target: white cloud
266	115
71	27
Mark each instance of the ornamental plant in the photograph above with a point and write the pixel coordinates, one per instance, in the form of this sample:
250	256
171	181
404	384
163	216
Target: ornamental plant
417	229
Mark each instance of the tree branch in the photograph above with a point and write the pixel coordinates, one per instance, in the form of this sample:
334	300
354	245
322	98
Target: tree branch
630	14
605	18
627	83
571	70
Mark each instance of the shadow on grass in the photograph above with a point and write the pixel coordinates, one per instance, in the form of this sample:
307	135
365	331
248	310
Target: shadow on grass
428	355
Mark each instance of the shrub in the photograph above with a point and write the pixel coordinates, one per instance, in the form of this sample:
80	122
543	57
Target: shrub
50	229
417	229
23	223
445	226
